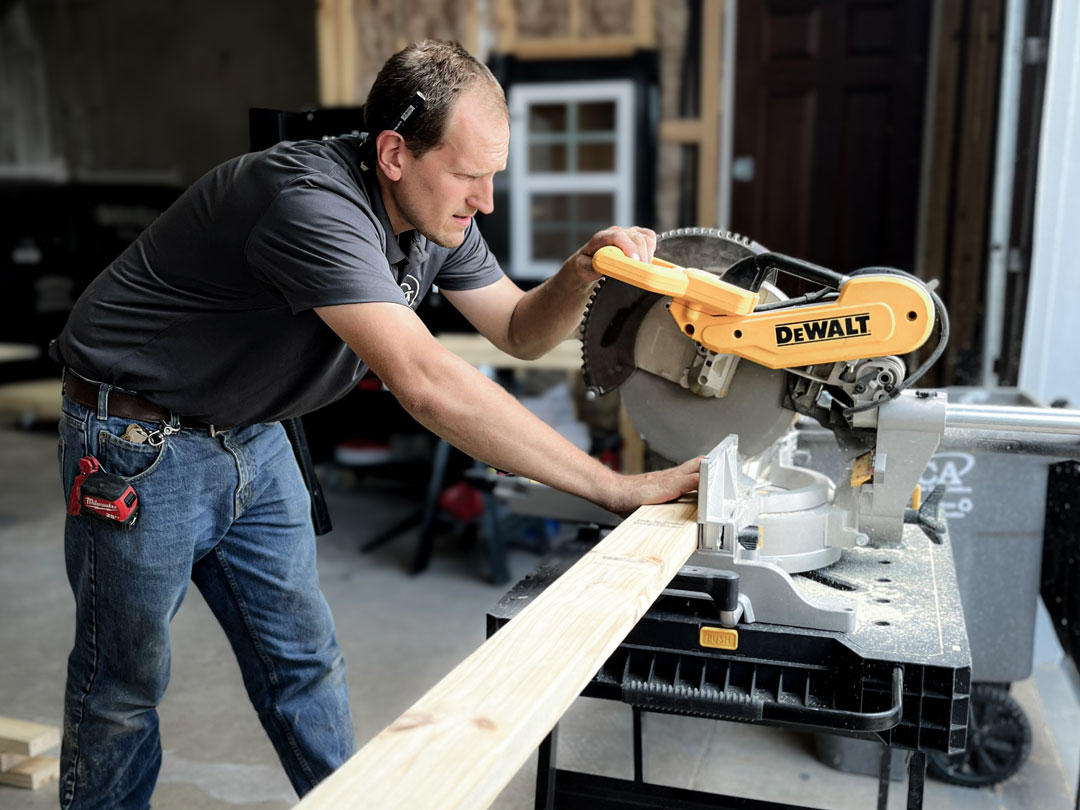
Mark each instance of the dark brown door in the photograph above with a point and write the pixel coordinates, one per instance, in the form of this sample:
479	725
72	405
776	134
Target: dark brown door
829	98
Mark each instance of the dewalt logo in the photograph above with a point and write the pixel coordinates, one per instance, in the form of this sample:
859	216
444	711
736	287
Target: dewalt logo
799	332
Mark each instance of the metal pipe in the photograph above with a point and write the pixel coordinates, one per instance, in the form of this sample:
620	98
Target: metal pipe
1005	418
1052	433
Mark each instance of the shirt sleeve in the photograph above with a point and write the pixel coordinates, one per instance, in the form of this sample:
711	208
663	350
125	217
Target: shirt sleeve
469	266
319	246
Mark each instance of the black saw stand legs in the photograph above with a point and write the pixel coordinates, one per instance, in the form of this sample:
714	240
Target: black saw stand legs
571	790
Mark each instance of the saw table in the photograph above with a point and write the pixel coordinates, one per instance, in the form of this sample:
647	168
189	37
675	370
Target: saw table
902	676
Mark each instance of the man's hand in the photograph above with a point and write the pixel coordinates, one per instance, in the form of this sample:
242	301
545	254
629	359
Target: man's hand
637	243
654	487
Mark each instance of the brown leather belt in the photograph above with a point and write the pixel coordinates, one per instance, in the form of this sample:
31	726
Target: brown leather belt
129	406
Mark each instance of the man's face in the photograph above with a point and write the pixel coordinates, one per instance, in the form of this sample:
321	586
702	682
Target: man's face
439	193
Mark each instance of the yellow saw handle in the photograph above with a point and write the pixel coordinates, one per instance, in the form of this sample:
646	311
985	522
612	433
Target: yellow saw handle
687	284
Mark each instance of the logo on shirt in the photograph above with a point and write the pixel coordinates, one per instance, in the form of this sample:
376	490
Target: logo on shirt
410	286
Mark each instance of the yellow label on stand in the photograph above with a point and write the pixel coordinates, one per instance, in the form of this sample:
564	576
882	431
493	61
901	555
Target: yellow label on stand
719	638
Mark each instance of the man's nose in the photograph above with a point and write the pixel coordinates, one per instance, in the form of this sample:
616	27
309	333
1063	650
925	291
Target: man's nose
483	196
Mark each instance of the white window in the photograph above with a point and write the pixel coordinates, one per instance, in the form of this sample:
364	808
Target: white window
570	169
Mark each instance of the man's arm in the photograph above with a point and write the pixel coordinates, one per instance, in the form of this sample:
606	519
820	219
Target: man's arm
528	325
454	400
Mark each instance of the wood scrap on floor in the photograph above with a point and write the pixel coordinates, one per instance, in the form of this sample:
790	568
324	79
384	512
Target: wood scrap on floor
22	763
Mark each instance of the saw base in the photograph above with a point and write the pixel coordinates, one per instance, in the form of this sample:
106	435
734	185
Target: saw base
902	676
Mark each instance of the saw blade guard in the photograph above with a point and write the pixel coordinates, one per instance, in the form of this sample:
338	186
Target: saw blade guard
680	397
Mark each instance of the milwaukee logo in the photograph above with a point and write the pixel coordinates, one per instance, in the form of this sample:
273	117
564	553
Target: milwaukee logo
94	503
789	334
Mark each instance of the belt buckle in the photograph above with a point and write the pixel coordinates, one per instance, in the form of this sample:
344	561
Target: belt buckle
215	431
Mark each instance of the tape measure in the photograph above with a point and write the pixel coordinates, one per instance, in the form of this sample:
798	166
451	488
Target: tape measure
103	495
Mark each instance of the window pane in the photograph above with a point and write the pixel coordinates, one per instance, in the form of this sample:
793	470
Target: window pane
549	208
596	157
596	208
547	157
547	118
551	244
584	231
596	116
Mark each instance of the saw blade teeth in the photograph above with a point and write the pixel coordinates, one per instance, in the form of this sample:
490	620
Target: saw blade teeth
614	309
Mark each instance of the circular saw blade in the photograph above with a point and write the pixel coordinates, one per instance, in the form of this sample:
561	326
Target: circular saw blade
678	424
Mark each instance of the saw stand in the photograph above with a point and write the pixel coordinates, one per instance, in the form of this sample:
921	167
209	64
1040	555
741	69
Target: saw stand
901	677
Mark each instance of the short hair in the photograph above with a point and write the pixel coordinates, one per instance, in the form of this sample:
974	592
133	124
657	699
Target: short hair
440	70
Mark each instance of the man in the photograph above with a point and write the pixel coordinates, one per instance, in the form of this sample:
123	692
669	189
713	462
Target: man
263	293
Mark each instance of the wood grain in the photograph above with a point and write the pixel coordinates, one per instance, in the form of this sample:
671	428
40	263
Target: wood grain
460	744
31	773
28	739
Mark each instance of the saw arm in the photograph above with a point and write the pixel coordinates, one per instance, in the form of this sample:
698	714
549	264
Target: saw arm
871	315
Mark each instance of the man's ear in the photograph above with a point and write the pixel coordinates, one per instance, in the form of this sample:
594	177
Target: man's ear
390	152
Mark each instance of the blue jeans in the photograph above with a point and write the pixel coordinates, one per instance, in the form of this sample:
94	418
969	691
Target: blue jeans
231	514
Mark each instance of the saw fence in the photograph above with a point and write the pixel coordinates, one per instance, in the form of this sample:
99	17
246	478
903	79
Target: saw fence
459	745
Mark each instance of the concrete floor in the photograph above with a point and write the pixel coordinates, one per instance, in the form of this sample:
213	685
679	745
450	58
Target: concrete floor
400	635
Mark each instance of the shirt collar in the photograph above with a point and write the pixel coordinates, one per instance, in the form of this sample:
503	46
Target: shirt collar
416	250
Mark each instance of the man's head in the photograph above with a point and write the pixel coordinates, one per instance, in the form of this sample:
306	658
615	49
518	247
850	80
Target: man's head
437	172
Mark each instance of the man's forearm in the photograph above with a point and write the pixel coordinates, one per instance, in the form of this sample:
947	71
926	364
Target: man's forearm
477	416
550	313
453	400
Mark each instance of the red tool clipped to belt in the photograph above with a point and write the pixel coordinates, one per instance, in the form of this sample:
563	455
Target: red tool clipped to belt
103	495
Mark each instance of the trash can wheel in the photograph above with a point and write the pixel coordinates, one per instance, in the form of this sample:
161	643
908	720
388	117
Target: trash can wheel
998	741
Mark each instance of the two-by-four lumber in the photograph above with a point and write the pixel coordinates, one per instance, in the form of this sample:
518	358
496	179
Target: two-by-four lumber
30	772
28	739
459	745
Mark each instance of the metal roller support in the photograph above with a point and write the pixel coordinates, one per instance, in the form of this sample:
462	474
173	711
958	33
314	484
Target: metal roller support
1051	432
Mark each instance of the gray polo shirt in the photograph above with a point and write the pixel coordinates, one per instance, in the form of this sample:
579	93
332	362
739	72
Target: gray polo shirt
209	312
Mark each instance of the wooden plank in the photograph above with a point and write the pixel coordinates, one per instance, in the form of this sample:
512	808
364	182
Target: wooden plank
460	744
645	23
28	739
566	48
574	26
470	40
32	773
479	351
348	54
709	153
326	19
505	26
31	401
681	130
9	761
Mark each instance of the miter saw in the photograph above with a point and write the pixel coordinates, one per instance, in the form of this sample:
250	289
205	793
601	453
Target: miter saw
713	359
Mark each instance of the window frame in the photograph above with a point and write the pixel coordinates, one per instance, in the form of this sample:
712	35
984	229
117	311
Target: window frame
523	184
